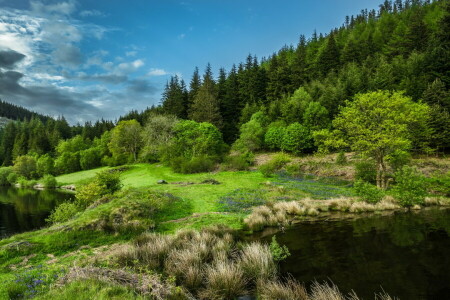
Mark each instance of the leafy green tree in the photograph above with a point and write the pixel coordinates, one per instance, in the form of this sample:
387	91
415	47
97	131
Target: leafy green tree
252	134
67	162
25	165
157	135
274	135
126	139
90	158
293	107
378	123
45	165
297	139
316	117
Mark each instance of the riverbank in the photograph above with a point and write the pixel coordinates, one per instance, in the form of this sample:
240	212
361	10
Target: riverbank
195	201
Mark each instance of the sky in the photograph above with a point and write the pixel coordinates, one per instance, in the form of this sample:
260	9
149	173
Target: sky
88	59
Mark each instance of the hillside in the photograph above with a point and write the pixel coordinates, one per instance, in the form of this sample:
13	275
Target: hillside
19	113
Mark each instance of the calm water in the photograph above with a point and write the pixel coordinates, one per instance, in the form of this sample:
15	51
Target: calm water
407	254
26	209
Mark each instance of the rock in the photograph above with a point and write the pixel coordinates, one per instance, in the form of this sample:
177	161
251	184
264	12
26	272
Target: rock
20	245
70	187
162	182
39	186
210	181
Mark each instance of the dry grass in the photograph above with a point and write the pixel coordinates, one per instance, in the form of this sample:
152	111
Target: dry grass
326	291
257	262
147	285
281	213
289	290
224	280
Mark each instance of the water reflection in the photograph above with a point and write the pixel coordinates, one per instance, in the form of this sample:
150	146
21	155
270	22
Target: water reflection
407	254
26	209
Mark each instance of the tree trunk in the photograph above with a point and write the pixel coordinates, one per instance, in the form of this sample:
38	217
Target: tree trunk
381	173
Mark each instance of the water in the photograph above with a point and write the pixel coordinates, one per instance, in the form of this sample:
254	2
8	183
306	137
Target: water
405	254
26	209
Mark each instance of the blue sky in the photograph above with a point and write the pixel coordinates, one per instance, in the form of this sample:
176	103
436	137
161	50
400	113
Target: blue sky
99	59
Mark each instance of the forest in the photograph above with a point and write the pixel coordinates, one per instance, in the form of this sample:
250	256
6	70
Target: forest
177	201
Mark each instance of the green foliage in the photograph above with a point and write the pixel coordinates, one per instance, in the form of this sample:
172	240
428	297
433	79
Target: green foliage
5	172
90	158
12	178
341	159
398	159
49	181
441	184
63	212
410	188
368	192
239	161
252	134
25	165
297	139
279	253
197	164
274	135
126	139
277	162
68	162
45	165
366	171
157	135
316	117
105	182
376	124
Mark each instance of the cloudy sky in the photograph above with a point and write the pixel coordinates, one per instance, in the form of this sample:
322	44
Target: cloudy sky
99	59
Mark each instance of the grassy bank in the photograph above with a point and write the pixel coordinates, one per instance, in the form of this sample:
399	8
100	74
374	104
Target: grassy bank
236	199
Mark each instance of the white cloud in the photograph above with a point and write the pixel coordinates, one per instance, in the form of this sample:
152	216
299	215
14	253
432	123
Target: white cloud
62	8
156	72
91	13
131	53
130	67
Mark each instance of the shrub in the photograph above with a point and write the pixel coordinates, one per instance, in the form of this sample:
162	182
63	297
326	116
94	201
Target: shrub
12	178
410	188
197	165
274	135
341	159
49	181
24	183
441	184
297	139
25	165
366	171
276	289
240	162
4	174
63	212
110	180
45	165
279	253
398	159
89	193
277	162
368	192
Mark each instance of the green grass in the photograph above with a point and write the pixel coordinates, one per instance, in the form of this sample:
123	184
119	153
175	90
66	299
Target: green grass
78	178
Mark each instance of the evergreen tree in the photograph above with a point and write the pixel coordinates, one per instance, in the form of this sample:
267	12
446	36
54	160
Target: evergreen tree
329	57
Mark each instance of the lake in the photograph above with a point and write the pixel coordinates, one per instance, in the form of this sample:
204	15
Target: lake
26	209
405	254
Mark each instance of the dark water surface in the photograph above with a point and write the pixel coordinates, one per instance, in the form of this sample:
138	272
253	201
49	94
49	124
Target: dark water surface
26	209
405	254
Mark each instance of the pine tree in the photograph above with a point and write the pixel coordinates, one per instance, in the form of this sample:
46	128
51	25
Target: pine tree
299	64
206	105
329	57
194	86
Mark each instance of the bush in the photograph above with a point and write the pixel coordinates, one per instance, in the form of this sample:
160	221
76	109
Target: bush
441	184
240	162
63	212
410	188
110	180
368	192
297	139
277	162
198	165
12	178
341	159
366	171
49	181
25	165
274	135
4	174
398	159
24	183
45	165
279	253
